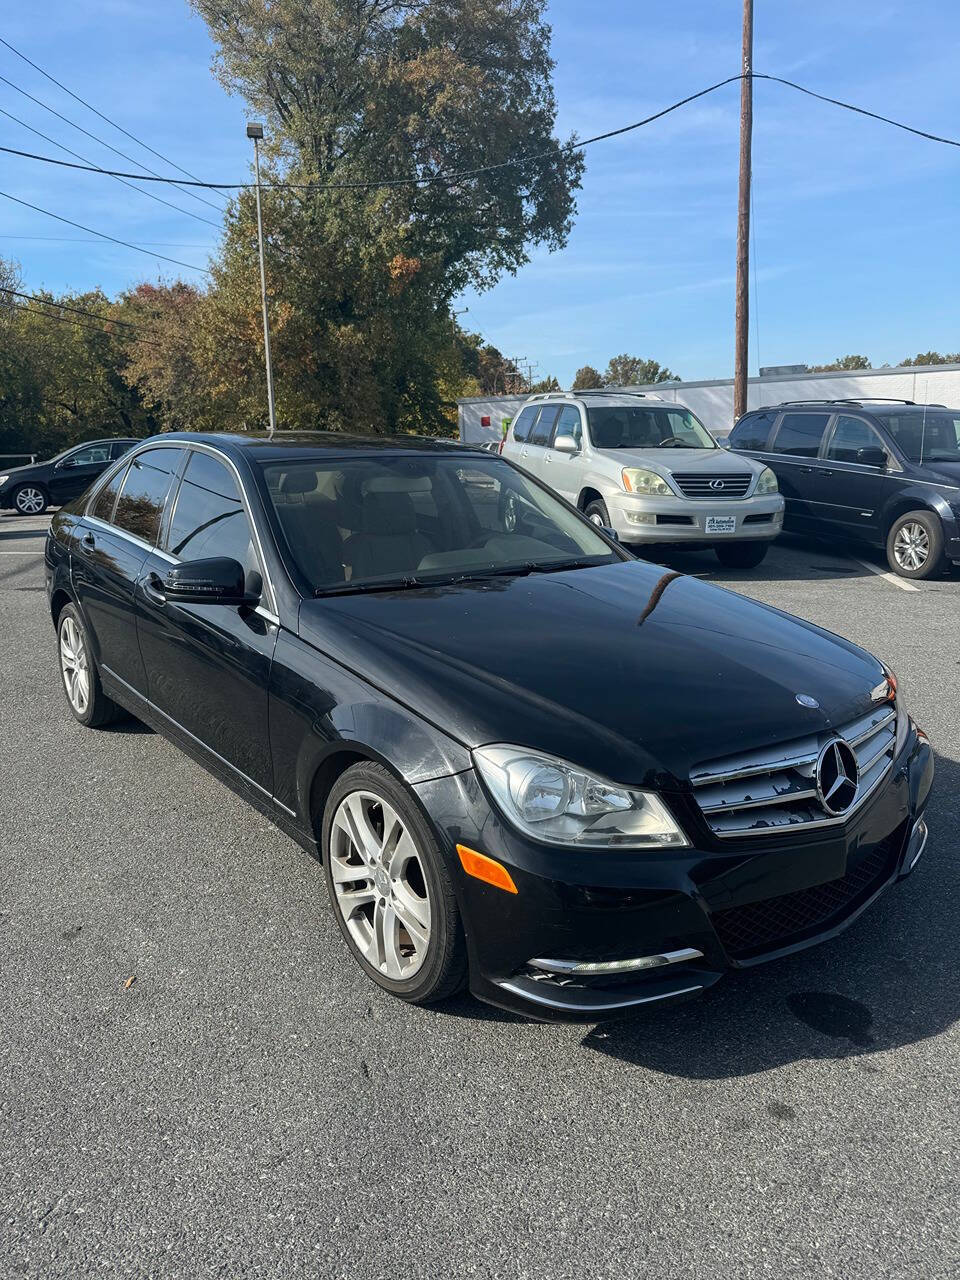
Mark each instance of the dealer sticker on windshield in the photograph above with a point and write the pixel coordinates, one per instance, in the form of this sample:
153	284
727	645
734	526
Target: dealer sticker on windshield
721	524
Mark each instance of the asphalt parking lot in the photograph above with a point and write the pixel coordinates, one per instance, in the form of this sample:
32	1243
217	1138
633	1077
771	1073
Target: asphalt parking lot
250	1105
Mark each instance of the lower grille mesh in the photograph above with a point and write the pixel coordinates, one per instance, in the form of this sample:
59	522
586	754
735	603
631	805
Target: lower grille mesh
762	925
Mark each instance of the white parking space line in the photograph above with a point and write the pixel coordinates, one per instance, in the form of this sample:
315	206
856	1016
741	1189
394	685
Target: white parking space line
21	553
890	577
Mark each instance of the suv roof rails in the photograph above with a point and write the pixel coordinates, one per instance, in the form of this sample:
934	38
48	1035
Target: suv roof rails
852	400
596	391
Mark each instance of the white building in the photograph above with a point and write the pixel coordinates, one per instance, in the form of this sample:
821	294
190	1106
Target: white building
482	419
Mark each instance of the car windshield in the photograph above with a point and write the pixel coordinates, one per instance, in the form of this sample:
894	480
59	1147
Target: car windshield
926	436
646	427
399	521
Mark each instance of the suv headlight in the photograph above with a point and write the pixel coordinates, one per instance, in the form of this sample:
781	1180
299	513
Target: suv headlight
554	801
637	480
767	482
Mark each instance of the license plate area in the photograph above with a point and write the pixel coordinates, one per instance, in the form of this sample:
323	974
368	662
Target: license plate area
721	524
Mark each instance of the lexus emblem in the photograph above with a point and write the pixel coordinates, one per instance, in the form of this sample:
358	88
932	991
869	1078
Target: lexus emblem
717	484
838	776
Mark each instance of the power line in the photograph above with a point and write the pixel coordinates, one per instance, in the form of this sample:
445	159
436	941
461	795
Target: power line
456	175
133	187
156	177
83	102
80	324
103	235
81	311
160	244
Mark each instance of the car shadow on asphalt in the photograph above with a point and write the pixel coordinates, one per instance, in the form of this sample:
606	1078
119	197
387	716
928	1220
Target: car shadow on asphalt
792	557
887	981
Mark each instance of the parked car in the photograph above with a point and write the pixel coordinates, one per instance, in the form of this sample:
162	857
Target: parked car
31	489
648	469
882	473
526	758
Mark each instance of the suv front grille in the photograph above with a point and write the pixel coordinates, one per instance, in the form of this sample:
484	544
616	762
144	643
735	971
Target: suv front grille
712	484
769	792
759	926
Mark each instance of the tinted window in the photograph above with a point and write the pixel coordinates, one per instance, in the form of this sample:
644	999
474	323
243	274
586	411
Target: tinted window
541	432
849	436
801	433
568	424
141	499
521	428
88	457
752	431
208	518
107	497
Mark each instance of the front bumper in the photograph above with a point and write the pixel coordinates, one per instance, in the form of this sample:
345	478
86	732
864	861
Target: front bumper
640	519
733	906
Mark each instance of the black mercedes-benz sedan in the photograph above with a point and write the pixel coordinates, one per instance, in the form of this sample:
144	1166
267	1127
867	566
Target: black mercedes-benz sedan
527	760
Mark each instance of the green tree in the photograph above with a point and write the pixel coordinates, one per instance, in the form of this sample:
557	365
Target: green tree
932	357
361	280
546	384
842	363
629	371
587	379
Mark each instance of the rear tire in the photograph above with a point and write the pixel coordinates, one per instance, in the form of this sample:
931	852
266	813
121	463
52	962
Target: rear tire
596	512
78	673
391	892
915	545
30	500
741	555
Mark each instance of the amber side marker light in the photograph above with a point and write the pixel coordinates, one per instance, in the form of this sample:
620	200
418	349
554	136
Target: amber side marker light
487	869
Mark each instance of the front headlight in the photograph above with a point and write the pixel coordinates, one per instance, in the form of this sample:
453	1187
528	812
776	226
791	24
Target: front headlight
3	480
888	690
767	482
557	802
637	480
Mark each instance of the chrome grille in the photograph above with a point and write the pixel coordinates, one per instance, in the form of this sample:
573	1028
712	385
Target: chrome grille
762	792
712	484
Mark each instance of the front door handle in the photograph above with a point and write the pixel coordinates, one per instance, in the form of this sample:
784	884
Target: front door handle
824	471
153	588
88	541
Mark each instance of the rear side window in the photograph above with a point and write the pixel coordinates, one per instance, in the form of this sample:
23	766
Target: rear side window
542	431
752	432
209	519
106	499
120	447
800	434
521	428
145	487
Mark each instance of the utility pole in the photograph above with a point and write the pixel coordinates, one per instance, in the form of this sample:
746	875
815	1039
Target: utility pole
255	131
743	219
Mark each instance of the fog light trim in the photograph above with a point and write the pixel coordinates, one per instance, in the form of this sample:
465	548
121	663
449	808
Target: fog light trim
618	966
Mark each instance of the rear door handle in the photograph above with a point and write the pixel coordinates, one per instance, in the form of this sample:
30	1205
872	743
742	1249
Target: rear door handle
153	588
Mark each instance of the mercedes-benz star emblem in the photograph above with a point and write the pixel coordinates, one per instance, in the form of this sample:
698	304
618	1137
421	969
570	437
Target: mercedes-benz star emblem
716	484
806	700
838	776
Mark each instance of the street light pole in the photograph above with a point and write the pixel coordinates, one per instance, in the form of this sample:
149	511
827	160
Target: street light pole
255	131
742	322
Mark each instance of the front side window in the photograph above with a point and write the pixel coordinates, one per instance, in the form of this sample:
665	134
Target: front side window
800	434
356	523
145	487
752	432
568	424
850	435
931	435
521	428
88	457
647	427
208	517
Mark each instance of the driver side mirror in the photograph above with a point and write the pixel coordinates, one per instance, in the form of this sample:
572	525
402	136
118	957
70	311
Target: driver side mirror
566	444
67	462
216	580
873	456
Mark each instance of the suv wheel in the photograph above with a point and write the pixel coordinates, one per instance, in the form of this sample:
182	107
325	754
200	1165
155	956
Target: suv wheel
741	555
596	512
30	500
915	545
391	892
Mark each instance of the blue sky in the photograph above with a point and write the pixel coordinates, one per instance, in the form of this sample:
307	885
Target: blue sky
855	224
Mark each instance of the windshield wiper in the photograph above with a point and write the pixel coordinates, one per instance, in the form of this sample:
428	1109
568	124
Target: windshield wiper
355	588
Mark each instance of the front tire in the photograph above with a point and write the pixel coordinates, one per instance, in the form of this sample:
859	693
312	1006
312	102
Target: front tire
390	889
741	555
596	512
78	672
915	545
30	499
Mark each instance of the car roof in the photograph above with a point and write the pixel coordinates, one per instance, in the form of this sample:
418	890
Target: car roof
286	444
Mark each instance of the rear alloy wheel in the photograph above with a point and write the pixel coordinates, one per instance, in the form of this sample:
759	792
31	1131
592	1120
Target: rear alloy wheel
81	682
391	893
596	512
741	555
915	545
30	500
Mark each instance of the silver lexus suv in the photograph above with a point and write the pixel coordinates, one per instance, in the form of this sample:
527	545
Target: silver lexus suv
649	469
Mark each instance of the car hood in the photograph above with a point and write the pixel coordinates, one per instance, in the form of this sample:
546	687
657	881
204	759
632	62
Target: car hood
626	669
31	471
950	471
666	461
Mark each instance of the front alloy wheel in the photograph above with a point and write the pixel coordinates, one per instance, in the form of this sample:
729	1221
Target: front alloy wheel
30	500
391	891
915	545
